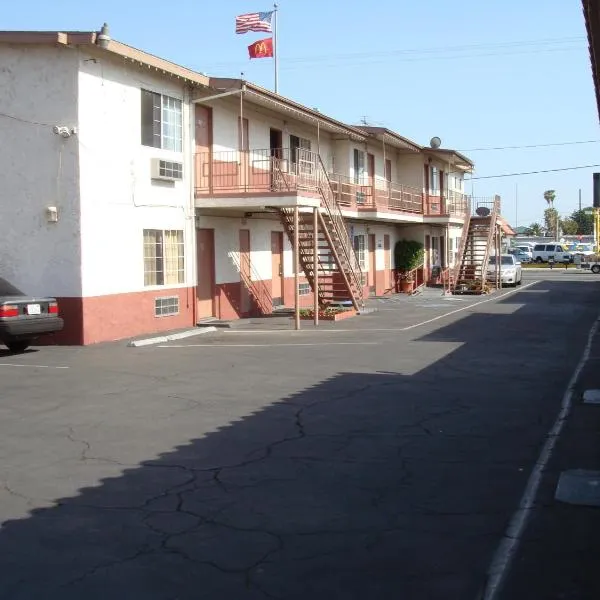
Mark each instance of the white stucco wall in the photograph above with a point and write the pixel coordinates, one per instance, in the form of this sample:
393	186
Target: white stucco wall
38	89
118	198
410	170
260	121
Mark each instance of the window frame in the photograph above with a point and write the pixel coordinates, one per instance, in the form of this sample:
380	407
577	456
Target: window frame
359	164
359	245
158	253
158	130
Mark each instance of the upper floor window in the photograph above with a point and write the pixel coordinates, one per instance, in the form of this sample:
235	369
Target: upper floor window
434	180
359	165
162	125
295	144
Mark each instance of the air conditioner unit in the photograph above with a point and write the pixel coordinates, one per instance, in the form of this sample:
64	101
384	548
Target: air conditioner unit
166	170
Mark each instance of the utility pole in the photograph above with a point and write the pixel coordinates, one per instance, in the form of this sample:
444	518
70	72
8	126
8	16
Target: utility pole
516	205
579	199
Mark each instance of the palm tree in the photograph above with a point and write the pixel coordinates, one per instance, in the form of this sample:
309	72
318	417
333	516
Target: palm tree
535	229
549	197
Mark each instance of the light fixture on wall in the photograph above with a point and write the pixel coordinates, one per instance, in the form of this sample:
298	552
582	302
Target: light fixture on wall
52	214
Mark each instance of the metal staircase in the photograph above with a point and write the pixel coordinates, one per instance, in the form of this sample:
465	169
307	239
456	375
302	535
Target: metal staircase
339	277
470	275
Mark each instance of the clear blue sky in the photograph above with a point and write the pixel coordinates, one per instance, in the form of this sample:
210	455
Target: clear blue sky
477	74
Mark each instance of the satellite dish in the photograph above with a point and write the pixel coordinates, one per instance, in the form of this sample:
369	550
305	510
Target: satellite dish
483	211
435	142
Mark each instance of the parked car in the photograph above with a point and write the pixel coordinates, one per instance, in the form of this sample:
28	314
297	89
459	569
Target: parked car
523	256
511	272
24	318
525	246
584	250
542	252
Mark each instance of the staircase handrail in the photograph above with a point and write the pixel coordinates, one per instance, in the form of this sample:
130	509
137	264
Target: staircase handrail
335	215
463	240
492	232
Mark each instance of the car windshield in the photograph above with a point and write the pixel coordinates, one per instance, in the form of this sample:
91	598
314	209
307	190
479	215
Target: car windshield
8	289
506	260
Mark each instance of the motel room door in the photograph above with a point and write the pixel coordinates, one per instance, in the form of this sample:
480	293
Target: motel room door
372	274
277	267
245	272
205	290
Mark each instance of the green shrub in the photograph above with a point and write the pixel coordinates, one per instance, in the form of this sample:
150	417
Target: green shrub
408	255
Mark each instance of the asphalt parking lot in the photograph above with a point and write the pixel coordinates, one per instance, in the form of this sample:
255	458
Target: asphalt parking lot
378	458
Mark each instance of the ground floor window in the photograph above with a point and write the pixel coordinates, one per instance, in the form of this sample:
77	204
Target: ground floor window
163	257
359	248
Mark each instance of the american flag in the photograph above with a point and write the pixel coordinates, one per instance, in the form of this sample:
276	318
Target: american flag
259	21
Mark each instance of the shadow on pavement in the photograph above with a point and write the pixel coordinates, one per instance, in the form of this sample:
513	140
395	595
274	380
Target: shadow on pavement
362	486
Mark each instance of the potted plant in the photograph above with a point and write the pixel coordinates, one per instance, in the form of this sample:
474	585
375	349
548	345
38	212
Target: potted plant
408	256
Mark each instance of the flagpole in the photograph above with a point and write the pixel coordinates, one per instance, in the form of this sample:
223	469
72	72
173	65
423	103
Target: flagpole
275	61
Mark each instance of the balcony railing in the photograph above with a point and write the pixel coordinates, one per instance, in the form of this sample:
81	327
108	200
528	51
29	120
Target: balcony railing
379	195
268	170
296	170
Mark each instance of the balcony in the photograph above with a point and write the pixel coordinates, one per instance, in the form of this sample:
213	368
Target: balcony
378	196
228	178
233	172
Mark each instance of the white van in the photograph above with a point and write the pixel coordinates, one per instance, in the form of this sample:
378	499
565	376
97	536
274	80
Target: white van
542	252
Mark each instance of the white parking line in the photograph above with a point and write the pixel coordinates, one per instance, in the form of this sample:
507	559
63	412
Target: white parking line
509	545
31	366
269	345
390	329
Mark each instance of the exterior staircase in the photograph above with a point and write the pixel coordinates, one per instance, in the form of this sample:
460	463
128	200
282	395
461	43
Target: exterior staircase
480	240
339	277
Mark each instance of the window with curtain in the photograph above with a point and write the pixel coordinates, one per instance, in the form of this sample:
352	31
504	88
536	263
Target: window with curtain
359	165
359	248
164	261
434	181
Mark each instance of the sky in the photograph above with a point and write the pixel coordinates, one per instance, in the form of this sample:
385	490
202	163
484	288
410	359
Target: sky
476	74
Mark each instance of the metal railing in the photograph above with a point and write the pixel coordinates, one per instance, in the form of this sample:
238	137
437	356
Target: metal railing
378	195
266	170
463	242
334	213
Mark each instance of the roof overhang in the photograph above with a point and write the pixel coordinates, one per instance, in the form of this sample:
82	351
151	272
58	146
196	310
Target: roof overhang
274	102
453	157
591	13
390	138
88	41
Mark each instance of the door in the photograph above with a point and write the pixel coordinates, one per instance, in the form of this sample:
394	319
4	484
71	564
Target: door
443	251
205	290
203	161
372	277
245	277
277	267
387	257
371	175
427	265
243	147
388	177
276	146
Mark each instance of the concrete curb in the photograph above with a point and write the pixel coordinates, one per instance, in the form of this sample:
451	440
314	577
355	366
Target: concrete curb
171	338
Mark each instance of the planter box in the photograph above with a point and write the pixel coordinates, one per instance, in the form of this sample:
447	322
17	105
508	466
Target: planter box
339	316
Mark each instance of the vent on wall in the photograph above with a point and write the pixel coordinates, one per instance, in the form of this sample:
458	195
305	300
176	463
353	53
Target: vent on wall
166	306
166	170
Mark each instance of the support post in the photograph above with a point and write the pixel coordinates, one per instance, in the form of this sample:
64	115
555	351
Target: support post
296	269
316	263
275	57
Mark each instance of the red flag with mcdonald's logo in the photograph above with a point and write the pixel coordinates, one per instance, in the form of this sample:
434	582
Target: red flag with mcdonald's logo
261	48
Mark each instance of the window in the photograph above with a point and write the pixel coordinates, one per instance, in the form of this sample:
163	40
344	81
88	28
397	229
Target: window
166	306
434	180
539	247
359	248
388	169
163	257
161	121
359	165
296	143
304	289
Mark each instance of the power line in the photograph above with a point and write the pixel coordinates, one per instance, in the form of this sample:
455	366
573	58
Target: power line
534	172
531	146
547	44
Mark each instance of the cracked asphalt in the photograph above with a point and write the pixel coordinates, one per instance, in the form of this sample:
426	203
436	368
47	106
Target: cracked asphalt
366	461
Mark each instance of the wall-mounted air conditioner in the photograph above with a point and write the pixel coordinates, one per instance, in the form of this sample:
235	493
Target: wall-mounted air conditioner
166	170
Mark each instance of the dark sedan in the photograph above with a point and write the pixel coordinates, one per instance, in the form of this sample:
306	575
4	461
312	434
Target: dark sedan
24	318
